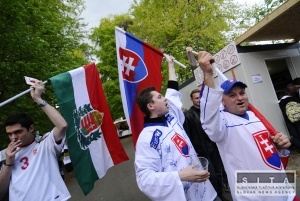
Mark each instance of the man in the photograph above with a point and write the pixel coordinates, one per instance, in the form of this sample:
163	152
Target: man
294	87
165	160
203	145
239	134
290	108
30	171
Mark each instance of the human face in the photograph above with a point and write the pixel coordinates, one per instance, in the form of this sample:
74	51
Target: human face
158	107
17	132
236	101
196	99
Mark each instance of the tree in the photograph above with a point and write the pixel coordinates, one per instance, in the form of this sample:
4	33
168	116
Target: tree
168	25
104	38
267	7
174	25
37	39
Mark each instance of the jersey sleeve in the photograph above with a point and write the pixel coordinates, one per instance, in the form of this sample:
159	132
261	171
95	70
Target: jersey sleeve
175	104
49	139
210	105
153	182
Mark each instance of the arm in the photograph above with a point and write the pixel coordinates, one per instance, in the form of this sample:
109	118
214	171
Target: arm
211	100
172	74
172	94
205	59
158	184
4	180
281	140
59	122
6	170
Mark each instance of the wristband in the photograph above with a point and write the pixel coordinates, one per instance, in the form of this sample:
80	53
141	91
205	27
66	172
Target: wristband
8	165
43	103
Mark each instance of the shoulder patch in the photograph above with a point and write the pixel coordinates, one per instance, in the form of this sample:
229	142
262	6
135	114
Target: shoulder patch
155	138
169	118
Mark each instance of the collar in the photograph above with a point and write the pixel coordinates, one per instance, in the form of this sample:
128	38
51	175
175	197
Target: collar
244	116
158	121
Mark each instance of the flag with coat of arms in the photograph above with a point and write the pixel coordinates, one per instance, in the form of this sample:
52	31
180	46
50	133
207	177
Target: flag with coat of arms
139	66
92	139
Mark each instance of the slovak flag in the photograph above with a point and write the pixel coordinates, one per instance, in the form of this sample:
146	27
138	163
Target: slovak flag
139	67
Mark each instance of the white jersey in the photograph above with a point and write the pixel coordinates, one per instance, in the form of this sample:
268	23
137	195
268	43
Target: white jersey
162	150
35	175
243	143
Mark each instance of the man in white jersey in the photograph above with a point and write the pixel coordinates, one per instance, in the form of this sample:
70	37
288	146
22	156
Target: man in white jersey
243	141
30	171
165	161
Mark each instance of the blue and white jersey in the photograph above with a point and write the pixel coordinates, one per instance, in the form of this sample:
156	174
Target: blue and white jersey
243	142
162	150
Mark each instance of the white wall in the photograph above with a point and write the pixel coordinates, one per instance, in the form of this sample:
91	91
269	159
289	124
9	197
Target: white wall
262	95
186	100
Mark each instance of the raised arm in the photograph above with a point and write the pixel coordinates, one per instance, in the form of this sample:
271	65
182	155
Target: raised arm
205	60
59	122
172	73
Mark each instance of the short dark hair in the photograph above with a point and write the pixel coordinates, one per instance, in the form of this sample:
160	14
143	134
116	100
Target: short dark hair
194	91
296	81
23	119
143	98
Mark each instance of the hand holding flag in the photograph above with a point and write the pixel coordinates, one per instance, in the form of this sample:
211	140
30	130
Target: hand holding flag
139	66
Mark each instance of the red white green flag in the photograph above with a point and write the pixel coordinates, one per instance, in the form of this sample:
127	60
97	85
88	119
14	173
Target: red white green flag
93	142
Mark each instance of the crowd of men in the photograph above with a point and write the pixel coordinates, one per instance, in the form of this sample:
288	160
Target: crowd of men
166	158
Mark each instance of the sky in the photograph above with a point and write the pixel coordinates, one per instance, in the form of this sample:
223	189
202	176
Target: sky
97	9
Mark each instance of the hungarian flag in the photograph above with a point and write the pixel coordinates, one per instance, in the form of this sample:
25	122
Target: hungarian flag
93	142
139	67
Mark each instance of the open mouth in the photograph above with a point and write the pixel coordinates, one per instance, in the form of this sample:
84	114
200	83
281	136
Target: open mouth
241	104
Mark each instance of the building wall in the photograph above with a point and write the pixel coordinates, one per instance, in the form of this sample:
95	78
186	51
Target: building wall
261	95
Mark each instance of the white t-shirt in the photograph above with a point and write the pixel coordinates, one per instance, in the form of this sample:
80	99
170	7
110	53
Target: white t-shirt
35	174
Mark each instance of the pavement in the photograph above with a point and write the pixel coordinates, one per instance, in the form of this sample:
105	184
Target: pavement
119	183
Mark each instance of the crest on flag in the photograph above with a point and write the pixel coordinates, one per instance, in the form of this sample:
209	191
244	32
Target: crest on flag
139	67
267	149
87	122
133	67
92	138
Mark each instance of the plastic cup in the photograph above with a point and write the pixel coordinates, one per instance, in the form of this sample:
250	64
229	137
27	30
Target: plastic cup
203	163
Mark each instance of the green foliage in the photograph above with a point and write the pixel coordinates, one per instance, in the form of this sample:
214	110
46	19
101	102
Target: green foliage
174	25
104	37
168	25
38	39
268	7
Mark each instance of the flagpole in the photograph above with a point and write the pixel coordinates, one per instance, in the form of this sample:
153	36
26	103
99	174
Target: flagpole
17	96
176	62
217	70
